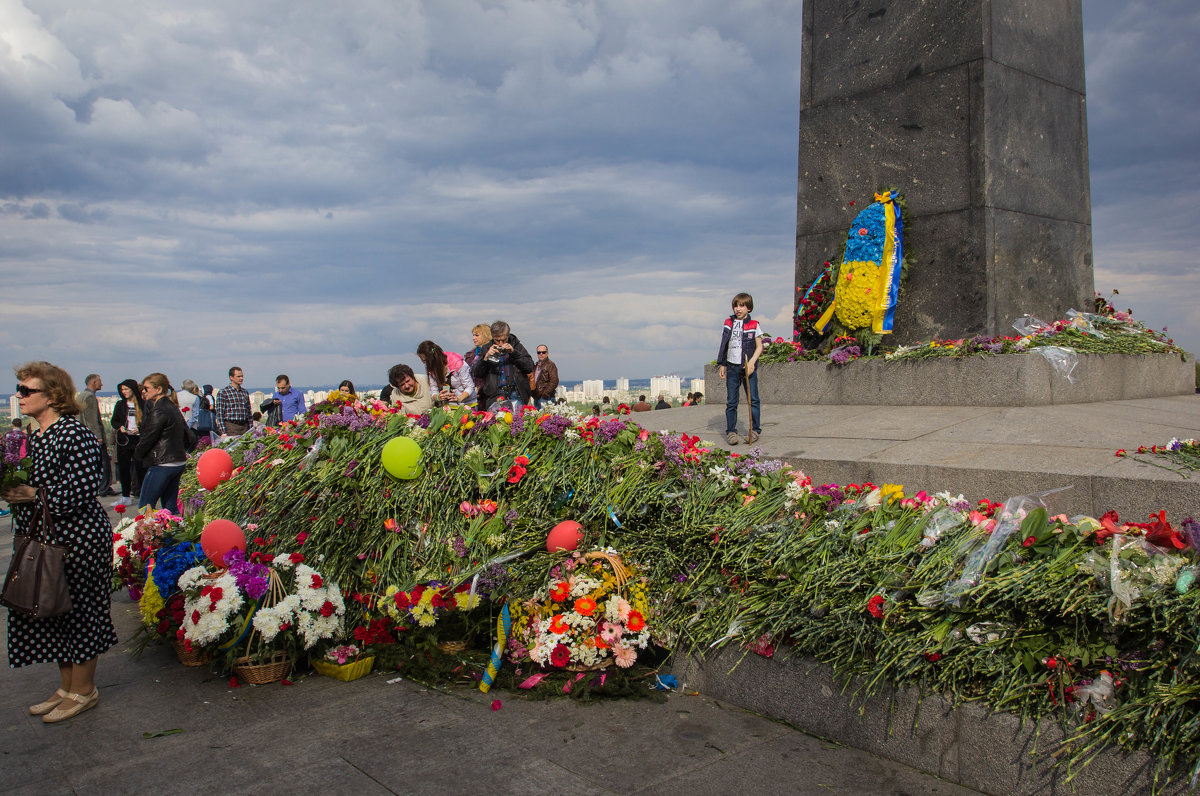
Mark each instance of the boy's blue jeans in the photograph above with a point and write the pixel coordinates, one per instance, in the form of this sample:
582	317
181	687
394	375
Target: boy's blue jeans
733	392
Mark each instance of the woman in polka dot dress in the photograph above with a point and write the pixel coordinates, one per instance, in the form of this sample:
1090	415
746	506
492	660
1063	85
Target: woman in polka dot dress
66	462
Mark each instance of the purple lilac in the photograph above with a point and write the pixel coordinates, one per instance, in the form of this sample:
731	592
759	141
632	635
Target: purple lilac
518	423
673	450
832	491
845	354
423	421
460	547
492	579
350	468
607	431
555	426
510	517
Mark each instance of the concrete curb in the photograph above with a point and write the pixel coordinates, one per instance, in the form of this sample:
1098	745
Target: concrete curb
991	752
1009	380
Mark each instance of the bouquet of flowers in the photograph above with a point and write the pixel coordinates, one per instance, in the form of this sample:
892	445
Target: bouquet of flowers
14	466
447	615
590	614
134	540
255	611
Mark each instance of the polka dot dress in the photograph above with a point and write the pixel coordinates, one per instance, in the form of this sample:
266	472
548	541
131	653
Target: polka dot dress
66	460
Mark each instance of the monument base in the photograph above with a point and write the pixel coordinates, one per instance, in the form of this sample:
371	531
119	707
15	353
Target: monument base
990	752
991	380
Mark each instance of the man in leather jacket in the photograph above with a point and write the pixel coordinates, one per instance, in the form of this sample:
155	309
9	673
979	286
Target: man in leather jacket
504	366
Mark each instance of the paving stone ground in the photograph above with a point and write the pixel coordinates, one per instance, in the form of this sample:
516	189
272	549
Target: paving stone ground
372	737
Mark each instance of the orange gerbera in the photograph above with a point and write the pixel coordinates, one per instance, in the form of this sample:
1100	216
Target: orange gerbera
559	625
561	591
585	606
636	622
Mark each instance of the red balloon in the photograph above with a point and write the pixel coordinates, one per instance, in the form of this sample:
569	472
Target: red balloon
214	467
219	537
564	537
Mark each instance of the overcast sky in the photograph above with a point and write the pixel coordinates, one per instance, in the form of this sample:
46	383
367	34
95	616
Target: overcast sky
315	188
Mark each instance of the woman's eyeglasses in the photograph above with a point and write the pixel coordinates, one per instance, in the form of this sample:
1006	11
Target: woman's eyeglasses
25	392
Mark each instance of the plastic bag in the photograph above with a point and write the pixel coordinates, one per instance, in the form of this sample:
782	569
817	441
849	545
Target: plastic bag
938	523
1027	325
1085	322
1063	360
1008	520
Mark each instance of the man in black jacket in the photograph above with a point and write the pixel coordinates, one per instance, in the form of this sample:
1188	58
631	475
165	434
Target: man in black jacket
504	366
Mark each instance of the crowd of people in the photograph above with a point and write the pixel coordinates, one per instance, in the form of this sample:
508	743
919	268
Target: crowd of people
155	426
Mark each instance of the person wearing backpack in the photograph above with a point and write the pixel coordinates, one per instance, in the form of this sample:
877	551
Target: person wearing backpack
206	413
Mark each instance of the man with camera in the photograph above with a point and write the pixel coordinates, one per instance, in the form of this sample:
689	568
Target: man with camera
504	367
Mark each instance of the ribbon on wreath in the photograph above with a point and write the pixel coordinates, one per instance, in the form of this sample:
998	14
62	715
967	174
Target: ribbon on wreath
503	628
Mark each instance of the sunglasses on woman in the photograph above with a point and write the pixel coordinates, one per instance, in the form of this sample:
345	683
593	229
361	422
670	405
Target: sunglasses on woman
25	392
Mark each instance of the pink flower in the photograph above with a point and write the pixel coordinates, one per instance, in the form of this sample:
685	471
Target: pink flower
624	656
611	633
496	704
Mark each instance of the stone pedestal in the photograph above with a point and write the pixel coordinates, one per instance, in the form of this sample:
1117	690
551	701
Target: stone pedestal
975	111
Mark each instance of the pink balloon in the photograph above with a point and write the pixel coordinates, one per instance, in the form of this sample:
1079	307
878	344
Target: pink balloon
219	537
214	467
564	537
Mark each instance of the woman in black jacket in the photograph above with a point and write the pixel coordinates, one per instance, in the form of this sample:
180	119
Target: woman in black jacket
127	422
162	447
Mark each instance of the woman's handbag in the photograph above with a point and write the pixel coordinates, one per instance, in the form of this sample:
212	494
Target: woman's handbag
36	585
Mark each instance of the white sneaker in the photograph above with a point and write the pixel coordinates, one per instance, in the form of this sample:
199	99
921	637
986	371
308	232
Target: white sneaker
122	501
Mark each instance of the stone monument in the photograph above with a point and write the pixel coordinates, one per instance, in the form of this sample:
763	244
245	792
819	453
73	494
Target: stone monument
975	111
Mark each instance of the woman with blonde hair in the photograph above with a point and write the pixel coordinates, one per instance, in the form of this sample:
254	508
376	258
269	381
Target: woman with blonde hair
481	335
66	474
163	446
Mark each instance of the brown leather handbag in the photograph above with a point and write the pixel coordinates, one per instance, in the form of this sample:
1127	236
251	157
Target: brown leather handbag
36	585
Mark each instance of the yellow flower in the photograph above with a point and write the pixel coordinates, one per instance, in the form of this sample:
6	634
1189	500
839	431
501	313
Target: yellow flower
150	604
854	299
892	492
426	620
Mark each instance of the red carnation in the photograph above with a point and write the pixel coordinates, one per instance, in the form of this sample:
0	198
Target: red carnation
316	581
119	509
327	609
875	606
301	537
296	558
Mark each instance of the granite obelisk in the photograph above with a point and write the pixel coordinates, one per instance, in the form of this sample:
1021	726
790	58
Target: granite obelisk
975	111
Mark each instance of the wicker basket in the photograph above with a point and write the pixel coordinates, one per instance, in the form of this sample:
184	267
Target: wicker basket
190	657
451	647
344	671
275	669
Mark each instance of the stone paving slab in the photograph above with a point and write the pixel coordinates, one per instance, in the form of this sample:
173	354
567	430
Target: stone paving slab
372	737
992	452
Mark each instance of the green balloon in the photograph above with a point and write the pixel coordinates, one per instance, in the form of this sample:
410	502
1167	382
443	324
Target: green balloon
402	458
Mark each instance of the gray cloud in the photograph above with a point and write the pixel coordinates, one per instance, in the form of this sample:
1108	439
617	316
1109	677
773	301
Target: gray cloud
317	187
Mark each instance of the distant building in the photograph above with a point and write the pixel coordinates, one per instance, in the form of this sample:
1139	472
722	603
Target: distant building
698	385
622	384
593	388
665	385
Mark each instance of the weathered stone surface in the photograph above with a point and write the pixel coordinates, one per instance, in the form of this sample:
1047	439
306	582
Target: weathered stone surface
993	753
858	47
973	110
1035	146
1042	38
1009	380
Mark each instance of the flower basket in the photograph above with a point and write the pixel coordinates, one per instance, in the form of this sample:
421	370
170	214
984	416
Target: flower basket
272	671
195	657
344	671
451	647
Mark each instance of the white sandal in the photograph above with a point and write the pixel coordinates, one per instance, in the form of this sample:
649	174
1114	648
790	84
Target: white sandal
80	702
42	708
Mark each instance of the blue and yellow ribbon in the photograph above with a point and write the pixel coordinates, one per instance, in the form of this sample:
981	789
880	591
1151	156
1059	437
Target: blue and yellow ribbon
503	628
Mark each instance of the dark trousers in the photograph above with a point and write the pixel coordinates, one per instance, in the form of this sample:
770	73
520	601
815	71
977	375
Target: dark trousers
106	467
130	472
161	485
733	393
